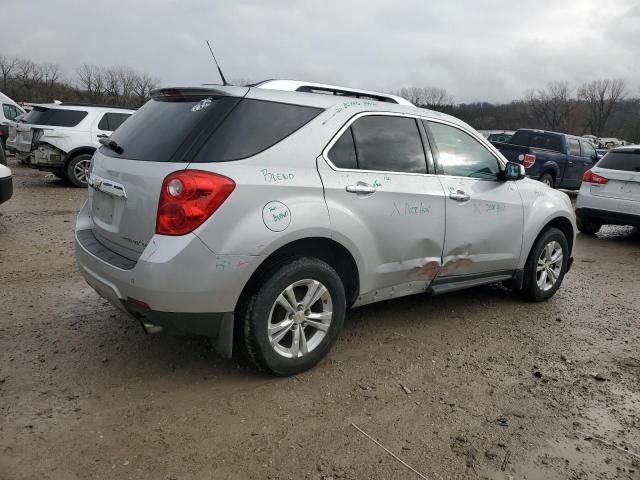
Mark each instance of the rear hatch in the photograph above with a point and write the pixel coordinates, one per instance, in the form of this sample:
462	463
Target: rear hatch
42	120
128	170
622	170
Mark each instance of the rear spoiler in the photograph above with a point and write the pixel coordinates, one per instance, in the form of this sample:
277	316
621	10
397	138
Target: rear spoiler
214	90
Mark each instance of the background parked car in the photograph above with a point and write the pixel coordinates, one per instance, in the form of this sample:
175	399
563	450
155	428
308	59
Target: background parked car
502	136
61	138
6	183
9	110
610	192
556	159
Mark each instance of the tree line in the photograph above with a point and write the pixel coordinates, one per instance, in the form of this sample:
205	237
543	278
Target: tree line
600	107
27	81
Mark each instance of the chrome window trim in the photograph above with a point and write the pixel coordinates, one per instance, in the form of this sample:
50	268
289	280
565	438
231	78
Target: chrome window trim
334	139
428	153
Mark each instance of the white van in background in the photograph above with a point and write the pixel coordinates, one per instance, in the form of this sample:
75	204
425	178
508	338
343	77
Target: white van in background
9	110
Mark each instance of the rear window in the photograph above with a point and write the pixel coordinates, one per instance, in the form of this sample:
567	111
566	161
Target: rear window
548	141
54	117
218	128
521	138
625	161
252	127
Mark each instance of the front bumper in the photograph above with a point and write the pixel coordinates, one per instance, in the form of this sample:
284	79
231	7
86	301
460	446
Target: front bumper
6	189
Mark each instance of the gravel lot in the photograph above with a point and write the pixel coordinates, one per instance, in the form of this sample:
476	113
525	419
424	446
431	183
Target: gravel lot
475	384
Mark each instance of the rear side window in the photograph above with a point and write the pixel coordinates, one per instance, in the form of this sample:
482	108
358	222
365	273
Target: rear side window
548	141
625	161
110	121
386	143
573	147
252	127
55	117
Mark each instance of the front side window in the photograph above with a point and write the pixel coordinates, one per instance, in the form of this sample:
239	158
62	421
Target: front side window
588	150
461	155
10	112
573	147
389	144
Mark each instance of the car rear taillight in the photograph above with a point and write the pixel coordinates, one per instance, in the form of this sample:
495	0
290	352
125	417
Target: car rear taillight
528	160
188	198
591	177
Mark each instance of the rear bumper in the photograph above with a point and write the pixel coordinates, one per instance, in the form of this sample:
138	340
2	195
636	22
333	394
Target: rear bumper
177	282
607	217
6	189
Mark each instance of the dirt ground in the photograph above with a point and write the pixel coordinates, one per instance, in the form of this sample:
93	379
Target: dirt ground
475	384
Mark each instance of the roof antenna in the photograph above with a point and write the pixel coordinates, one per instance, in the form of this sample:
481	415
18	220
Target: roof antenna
224	80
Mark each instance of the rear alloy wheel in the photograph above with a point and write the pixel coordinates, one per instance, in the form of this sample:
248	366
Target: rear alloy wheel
77	170
294	317
547	179
586	225
546	265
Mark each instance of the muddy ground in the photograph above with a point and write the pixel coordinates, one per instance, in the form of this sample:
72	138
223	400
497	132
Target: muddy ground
475	384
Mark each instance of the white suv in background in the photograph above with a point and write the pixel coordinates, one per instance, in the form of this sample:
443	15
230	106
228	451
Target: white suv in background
9	110
610	191
61	138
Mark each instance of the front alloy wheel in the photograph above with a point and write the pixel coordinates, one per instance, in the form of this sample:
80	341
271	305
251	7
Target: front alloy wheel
549	266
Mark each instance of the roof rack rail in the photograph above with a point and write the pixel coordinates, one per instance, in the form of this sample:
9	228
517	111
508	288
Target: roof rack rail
320	88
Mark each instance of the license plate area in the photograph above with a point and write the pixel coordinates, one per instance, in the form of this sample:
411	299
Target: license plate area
104	207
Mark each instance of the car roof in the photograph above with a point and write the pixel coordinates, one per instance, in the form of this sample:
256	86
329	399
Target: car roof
81	106
635	148
306	99
6	99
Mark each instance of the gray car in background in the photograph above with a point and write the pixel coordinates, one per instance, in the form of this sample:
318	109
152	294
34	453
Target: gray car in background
257	216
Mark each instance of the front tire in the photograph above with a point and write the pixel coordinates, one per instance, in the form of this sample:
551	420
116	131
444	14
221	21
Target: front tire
77	170
546	265
293	317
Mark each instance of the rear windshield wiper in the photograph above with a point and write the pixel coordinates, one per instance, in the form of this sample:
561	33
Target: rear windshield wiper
112	145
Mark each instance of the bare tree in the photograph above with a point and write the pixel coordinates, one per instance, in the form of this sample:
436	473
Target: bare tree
7	65
551	107
50	75
600	98
144	84
29	73
426	96
91	80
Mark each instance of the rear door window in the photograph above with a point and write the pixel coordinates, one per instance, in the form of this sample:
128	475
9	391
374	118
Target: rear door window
387	143
625	161
55	117
548	141
111	120
252	127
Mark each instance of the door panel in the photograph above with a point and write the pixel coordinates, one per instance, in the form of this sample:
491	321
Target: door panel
484	215
483	233
395	220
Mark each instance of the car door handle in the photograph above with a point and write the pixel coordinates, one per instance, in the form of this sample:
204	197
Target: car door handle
459	196
102	135
360	189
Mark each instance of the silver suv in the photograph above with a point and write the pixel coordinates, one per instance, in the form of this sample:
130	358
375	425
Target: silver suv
258	216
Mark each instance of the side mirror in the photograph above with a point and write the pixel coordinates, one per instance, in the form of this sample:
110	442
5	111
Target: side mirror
514	171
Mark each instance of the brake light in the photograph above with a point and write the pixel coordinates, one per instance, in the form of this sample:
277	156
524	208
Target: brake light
591	177
529	160
188	198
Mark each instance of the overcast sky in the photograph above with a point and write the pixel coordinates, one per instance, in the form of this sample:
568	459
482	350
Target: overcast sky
477	50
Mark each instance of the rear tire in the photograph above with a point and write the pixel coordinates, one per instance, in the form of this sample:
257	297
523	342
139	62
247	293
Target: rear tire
77	170
286	329
546	265
585	225
547	179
